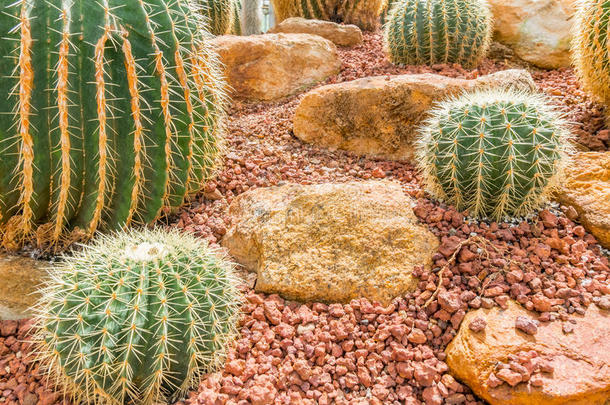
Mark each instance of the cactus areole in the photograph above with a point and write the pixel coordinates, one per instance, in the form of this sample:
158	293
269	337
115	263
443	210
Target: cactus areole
493	153
114	114
428	32
137	318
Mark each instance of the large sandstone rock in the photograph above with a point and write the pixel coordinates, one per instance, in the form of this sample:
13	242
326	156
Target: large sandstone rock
20	279
587	189
379	116
340	35
539	31
580	360
330	242
273	66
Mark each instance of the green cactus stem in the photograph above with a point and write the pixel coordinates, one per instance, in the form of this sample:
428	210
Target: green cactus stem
493	153
428	32
137	318
114	115
590	52
220	15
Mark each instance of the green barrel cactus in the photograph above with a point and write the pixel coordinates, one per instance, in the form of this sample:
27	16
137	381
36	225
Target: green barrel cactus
113	113
428	32
236	24
493	153
220	15
137	318
363	13
590	52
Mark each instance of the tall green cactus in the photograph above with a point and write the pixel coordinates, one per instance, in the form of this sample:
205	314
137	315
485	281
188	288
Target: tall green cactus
236	24
493	153
220	15
137	318
590	51
363	13
420	32
115	114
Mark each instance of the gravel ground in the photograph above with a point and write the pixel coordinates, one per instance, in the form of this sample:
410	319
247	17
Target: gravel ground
363	353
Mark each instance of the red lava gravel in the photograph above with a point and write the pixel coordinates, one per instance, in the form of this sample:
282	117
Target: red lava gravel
362	352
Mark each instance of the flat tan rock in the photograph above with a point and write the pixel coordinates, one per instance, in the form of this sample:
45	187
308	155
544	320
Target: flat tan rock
330	242
587	189
379	116
539	31
20	278
339	34
273	66
579	361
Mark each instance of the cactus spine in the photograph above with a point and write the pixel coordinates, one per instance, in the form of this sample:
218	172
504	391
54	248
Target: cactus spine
115	115
220	15
590	52
137	318
363	13
493	153
420	32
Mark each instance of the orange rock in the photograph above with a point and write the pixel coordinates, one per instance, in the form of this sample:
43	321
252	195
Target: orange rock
587	189
339	34
273	66
20	278
330	242
579	361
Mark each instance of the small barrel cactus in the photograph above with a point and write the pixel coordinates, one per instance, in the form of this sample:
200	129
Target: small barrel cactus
363	13
428	32
137	318
590	51
220	15
493	153
115	115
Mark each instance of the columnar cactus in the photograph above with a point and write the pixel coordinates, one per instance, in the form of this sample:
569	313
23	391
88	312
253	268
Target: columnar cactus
493	153
112	113
363	13
236	24
220	15
428	32
590	51
252	17
137	318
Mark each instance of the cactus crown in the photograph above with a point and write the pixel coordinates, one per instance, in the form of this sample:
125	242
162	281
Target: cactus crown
419	32
115	115
590	53
137	318
494	153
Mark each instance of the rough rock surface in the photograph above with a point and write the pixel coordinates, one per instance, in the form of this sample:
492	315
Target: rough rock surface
339	34
379	116
273	66
539	31
330	242
587	189
572	368
19	279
